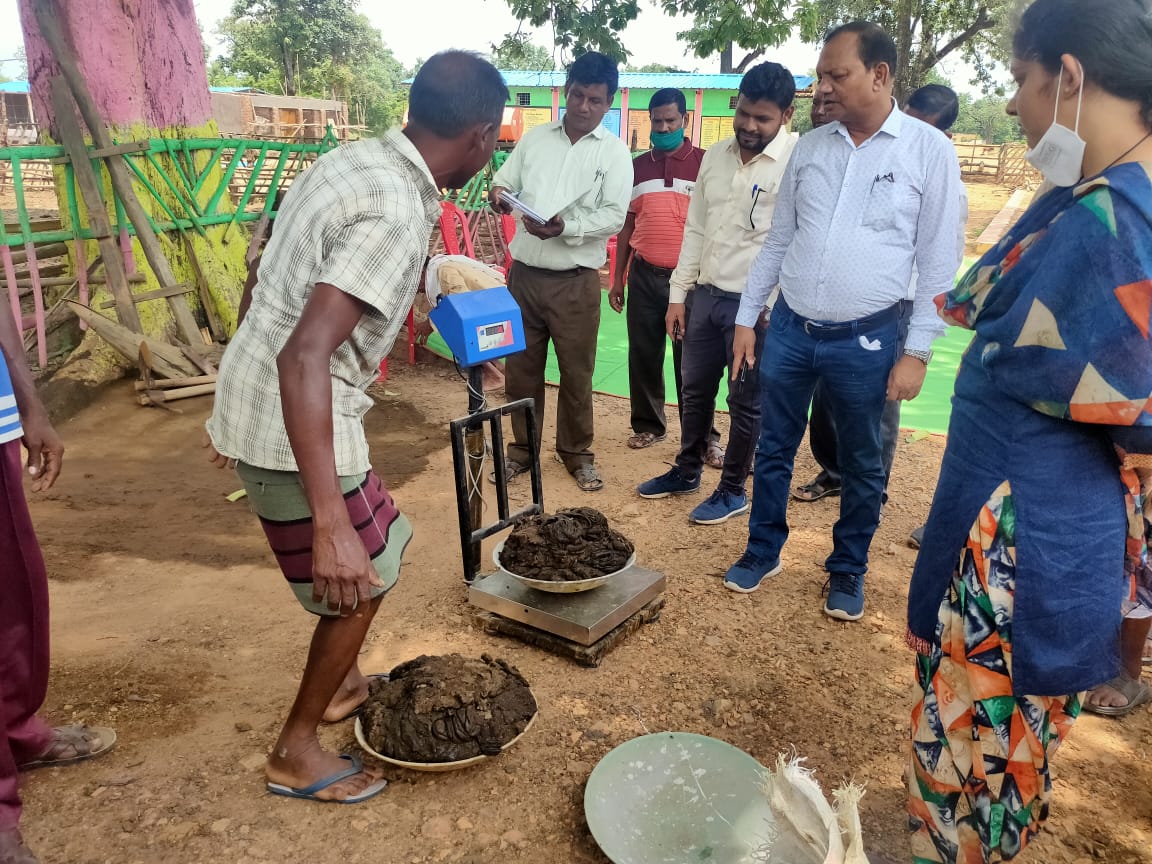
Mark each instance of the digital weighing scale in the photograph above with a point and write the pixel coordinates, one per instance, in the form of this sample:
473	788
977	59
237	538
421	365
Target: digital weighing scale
484	325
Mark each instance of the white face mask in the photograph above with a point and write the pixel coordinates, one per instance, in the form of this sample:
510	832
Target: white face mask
1059	154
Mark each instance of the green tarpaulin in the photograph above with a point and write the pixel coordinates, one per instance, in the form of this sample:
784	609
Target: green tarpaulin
929	412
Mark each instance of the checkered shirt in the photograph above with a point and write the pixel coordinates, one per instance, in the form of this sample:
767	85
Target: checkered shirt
359	219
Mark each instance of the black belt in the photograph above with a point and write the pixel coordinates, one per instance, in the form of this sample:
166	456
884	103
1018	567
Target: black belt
652	268
545	271
841	329
724	295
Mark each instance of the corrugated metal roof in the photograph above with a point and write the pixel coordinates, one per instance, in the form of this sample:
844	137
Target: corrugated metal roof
22	87
641	80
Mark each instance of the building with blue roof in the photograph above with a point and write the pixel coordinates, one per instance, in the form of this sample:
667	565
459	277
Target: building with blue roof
537	98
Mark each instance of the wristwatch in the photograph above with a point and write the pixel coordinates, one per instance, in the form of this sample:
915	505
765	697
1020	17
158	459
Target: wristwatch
924	357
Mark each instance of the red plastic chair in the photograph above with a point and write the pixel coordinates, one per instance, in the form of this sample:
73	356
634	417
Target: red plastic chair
457	241
508	231
452	219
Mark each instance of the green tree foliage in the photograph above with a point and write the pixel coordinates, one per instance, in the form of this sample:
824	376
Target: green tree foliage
581	25
926	31
517	51
722	26
660	68
987	118
321	48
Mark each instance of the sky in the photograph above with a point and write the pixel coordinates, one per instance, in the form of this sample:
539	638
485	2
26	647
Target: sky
415	30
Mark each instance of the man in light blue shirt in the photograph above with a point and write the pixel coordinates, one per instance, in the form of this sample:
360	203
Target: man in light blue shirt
864	199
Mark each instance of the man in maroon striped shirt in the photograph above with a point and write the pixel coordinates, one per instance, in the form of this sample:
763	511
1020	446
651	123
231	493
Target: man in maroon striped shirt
649	247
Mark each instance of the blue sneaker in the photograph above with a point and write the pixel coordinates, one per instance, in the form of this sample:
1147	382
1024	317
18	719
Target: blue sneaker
720	507
672	482
845	597
745	575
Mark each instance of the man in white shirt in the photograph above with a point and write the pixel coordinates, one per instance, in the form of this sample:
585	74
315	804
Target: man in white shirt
578	176
728	218
864	199
937	106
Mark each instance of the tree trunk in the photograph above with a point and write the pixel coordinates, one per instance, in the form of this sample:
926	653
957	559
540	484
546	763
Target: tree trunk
901	84
145	69
726	60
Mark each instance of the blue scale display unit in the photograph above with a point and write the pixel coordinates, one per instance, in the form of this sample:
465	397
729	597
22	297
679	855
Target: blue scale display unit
478	326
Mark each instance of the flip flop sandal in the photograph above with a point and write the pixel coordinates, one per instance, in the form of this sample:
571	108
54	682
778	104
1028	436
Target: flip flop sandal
355	712
714	457
308	793
1134	690
641	440
74	736
512	470
814	491
12	849
588	478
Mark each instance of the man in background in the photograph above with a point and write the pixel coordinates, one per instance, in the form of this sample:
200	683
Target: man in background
649	246
728	217
577	175
864	199
937	106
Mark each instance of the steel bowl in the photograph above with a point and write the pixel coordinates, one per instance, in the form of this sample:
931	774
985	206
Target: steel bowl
435	767
678	797
560	587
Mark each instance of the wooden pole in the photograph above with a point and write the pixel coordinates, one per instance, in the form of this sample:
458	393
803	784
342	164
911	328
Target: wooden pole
170	383
48	19
73	141
167	360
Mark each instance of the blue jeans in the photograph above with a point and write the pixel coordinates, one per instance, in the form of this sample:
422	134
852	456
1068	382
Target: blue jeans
822	429
855	382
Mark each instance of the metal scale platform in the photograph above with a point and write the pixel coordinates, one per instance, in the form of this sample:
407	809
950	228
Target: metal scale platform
481	326
583	627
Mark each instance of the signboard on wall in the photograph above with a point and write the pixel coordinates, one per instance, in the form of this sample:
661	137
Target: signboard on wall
611	120
713	129
534	117
640	130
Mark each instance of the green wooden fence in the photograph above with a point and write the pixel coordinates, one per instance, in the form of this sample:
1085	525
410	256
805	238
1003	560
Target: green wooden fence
189	178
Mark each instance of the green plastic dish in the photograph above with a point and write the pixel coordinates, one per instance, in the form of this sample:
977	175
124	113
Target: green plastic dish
678	798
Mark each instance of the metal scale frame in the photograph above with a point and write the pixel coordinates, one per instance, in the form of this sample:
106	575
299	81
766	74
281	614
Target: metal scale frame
584	626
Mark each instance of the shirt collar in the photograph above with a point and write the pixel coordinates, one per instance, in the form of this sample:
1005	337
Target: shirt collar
398	141
892	125
682	152
598	132
776	149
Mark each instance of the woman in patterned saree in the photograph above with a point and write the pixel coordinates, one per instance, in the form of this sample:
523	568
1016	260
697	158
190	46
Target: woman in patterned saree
1036	534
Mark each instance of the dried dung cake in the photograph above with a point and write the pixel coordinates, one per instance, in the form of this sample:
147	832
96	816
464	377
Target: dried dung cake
448	708
568	546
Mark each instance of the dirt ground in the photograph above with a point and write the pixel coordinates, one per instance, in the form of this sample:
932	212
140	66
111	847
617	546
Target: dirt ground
985	200
171	623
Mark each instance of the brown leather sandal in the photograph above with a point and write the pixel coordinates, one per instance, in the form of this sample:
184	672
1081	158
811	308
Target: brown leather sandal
72	744
714	456
642	440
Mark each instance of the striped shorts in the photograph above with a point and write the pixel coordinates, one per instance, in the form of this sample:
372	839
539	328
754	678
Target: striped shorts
278	499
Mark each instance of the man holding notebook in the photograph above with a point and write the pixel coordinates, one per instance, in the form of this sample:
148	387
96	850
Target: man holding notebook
577	175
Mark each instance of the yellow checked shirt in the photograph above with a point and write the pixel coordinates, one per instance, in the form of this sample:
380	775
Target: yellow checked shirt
729	215
588	184
359	219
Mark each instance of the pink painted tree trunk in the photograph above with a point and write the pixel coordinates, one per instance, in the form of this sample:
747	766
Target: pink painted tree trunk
143	60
